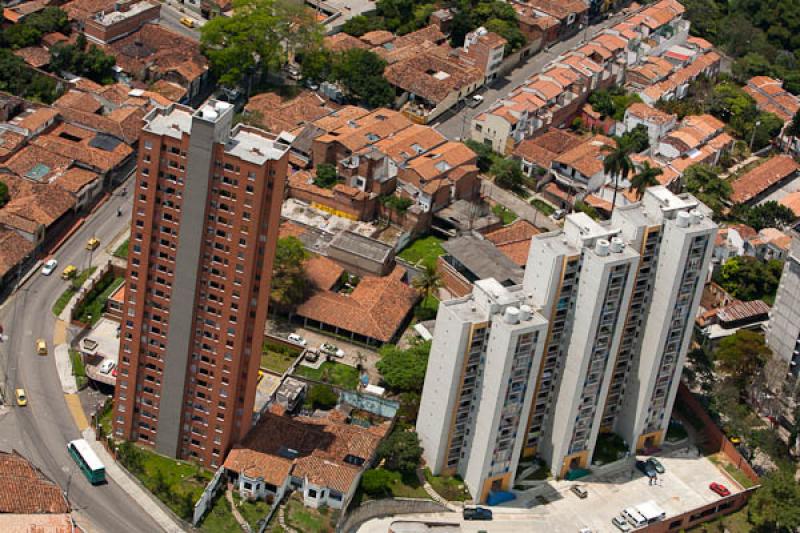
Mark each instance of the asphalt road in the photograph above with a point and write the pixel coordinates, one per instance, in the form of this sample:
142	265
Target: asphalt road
171	19
41	430
456	122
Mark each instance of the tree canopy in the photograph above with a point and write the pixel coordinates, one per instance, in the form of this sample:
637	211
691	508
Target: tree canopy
494	15
612	102
704	182
361	74
770	214
776	505
29	32
18	78
507	173
4	196
326	176
322	397
401	450
289	283
742	355
747	278
83	60
404	370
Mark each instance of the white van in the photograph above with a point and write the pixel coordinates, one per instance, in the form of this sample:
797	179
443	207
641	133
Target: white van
106	366
634	517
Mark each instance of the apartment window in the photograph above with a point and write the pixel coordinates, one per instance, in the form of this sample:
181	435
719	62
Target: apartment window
148	145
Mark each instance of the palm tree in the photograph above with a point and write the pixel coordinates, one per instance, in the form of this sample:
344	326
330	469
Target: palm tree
428	280
646	177
618	163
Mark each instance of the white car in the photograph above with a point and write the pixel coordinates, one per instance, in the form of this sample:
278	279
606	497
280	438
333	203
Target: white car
106	366
297	339
49	267
331	349
621	524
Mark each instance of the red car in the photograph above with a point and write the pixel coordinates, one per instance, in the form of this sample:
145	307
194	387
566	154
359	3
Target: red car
720	489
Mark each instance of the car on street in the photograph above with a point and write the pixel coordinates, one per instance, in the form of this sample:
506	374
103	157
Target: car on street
646	468
49	267
22	399
477	513
657	465
297	339
186	21
92	243
579	491
621	523
69	272
558	214
331	349
41	347
475	101
720	489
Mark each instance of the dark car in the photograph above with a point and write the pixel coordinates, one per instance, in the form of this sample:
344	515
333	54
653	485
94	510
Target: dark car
657	465
477	513
646	468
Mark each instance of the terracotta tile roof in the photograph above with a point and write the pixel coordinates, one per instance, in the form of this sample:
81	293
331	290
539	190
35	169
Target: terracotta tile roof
514	240
377	37
272	469
340	118
559	9
29	523
739	310
342	42
79	101
276	114
82	10
546	147
650	114
125	124
655	92
35	56
61	141
667	176
410	142
376	308
441	159
37	163
10	142
610	41
324	473
49	39
432	76
792	201
367	129
761	178
700	43
75	179
547	89
290	229
770	96
13	249
85	84
661	13
26	490
587	157
323	273
33	204
169	90
37	119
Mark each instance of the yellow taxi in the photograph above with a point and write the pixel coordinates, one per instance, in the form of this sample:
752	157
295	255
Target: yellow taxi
92	243
41	347
22	399
69	272
186	21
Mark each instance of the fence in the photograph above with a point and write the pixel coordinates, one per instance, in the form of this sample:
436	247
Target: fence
207	497
388	507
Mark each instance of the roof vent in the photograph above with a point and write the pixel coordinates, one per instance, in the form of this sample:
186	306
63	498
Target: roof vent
601	247
525	312
695	216
511	315
684	219
617	245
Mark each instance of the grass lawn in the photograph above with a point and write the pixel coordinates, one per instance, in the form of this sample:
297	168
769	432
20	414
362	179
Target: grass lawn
251	511
423	251
219	519
105	418
505	214
337	374
722	462
452	488
95	302
79	371
543	206
277	357
609	448
122	250
63	300
309	520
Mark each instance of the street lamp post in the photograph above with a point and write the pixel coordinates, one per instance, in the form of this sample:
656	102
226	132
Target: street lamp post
753	136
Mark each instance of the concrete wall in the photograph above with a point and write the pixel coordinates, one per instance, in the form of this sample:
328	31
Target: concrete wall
369	510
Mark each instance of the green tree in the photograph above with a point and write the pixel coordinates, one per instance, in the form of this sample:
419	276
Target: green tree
793	128
507	174
326	176
378	482
646	177
48	20
401	450
742	356
637	139
4	196
81	60
748	278
404	370
316	64
322	397
704	182
361	24
289	283
776	505
770	214
617	163
256	37
428	281
485	154
361	74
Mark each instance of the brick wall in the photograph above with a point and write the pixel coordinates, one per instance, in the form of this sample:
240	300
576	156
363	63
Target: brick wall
108	33
452	280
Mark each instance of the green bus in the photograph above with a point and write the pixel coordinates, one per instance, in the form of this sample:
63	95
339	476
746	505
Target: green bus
90	464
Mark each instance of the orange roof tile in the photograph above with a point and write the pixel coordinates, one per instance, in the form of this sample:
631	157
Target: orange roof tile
514	240
761	178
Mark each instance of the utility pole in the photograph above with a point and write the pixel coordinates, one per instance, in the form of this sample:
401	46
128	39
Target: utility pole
753	136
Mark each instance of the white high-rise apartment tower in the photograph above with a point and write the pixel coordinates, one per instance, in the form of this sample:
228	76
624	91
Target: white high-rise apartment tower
616	303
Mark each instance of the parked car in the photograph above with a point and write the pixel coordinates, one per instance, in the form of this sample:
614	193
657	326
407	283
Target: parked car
477	513
22	399
558	214
579	491
331	349
646	468
621	523
720	489
297	339
41	347
106	366
634	517
475	101
657	465
312	355
69	272
49	267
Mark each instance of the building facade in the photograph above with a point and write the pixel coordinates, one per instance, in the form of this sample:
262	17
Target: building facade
203	236
602	292
783	332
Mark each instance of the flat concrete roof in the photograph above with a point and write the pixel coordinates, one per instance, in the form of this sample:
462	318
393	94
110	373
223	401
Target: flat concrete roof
483	259
106	334
362	246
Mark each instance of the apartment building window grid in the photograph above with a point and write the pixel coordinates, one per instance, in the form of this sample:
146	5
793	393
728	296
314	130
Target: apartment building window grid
600	355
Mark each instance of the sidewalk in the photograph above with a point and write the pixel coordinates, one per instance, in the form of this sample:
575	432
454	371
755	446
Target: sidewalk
123	479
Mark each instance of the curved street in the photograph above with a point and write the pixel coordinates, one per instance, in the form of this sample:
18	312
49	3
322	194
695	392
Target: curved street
41	430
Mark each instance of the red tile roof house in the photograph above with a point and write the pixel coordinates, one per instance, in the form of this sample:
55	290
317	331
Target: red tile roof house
758	183
323	456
